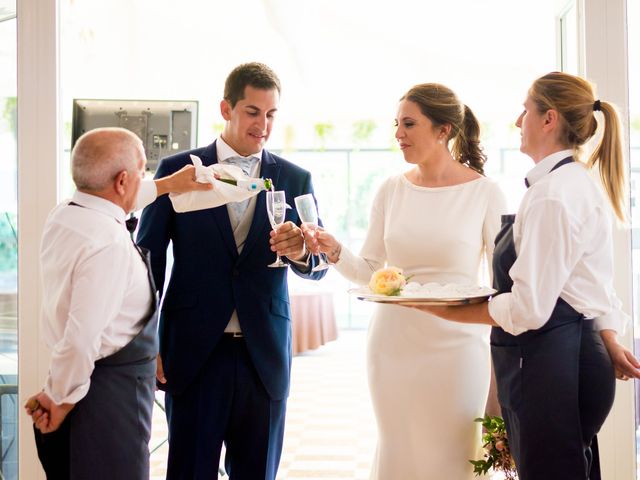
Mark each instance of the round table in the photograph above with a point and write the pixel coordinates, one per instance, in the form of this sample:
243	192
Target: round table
313	320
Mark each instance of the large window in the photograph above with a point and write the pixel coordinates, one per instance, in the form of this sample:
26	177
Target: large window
8	248
569	45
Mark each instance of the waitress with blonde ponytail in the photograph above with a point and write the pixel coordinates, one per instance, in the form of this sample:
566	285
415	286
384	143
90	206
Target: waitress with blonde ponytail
556	314
428	378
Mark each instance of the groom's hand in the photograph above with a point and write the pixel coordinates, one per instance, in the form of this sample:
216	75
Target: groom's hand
288	241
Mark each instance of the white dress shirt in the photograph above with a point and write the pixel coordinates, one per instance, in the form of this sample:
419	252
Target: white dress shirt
225	152
95	291
242	225
562	237
146	194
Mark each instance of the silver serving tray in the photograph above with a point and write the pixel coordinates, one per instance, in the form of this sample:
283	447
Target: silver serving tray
420	301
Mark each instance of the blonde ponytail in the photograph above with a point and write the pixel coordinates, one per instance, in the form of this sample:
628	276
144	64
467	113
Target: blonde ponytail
608	156
572	97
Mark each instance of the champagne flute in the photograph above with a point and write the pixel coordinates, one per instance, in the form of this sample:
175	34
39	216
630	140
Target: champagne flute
308	213
276	209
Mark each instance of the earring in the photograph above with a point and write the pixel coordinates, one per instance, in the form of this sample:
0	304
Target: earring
440	141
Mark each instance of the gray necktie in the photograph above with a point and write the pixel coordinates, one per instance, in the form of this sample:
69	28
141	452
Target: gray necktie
239	208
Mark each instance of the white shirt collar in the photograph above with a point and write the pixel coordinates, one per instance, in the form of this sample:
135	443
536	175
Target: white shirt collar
99	204
224	151
545	165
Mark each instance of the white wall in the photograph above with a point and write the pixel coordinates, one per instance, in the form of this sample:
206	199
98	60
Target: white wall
605	63
38	135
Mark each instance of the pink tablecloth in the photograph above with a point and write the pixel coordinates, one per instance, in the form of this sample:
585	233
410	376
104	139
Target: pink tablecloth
313	320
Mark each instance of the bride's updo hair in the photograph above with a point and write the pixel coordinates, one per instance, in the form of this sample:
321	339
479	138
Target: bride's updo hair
442	107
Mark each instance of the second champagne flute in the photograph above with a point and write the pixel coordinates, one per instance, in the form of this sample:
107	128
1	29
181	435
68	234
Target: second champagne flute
308	213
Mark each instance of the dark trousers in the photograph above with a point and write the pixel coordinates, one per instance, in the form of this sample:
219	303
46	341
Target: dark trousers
106	436
595	395
226	403
555	394
53	452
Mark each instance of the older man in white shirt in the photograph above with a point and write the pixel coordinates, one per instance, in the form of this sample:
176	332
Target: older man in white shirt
93	417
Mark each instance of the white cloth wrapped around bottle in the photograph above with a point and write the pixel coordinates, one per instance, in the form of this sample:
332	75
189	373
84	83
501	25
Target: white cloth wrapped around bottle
222	192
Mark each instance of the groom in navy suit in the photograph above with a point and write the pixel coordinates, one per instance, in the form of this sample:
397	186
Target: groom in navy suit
225	328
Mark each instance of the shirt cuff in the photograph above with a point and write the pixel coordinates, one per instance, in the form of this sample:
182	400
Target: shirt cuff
500	311
147	194
615	320
72	397
303	262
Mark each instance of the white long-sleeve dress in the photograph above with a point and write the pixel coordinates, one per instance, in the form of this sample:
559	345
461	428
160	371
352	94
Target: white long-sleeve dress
428	377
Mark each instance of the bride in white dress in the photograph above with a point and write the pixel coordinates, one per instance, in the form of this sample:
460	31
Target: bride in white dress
428	378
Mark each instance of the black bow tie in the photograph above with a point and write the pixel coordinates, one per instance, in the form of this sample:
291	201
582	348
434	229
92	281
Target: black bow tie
131	223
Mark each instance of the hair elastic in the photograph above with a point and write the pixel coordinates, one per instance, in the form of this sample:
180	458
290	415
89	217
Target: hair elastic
596	106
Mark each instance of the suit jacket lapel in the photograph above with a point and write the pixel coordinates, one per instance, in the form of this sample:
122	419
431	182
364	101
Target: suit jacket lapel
209	156
269	169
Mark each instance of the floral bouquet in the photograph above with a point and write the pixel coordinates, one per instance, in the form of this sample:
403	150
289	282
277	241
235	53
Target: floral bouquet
496	447
387	281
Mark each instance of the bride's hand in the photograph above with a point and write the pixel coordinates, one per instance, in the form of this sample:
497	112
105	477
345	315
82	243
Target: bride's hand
318	240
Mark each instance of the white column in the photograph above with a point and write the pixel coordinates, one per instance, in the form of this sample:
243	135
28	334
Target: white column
38	147
606	64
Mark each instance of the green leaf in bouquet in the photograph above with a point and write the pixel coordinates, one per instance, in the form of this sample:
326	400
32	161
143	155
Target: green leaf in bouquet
497	456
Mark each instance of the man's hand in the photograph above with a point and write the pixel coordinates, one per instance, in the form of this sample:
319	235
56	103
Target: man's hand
47	416
33	407
184	180
160	370
288	241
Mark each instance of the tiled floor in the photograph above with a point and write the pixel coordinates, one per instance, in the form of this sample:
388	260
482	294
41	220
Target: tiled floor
330	429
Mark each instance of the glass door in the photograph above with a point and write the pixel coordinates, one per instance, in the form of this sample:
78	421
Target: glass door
8	245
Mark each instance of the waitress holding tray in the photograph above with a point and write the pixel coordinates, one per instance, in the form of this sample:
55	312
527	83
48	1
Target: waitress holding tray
556	316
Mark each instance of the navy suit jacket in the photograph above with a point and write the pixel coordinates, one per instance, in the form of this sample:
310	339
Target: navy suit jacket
210	279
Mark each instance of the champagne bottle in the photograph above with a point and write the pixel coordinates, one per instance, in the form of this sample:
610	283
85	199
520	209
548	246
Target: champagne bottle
252	184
